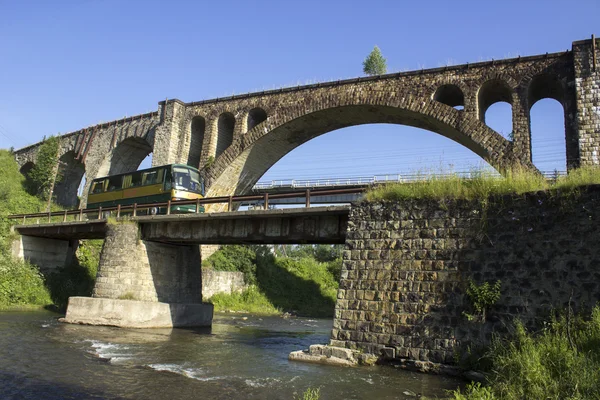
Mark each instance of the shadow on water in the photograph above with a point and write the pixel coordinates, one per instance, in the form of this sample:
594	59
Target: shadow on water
289	292
14	386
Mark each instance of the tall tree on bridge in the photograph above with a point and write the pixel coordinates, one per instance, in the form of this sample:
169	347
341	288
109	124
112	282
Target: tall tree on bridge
375	64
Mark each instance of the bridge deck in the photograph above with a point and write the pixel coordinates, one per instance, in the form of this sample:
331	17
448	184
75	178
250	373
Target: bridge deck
292	225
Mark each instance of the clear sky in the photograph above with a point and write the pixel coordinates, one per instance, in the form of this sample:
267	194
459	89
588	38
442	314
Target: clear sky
68	64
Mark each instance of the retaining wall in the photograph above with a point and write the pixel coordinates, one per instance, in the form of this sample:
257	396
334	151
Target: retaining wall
407	266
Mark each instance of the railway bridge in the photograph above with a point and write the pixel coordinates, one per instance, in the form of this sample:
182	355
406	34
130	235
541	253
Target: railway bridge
234	140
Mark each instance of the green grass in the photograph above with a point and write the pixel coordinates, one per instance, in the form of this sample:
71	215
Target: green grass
310	394
300	283
22	286
562	362
481	185
579	177
251	300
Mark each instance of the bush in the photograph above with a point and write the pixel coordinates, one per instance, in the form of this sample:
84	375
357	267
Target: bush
21	283
298	284
251	300
562	362
234	258
41	175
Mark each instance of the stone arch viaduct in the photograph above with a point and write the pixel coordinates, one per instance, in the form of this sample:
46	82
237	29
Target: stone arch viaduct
234	140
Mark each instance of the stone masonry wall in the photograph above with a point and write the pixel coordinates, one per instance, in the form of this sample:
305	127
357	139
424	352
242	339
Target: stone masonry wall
587	87
214	282
148	271
407	265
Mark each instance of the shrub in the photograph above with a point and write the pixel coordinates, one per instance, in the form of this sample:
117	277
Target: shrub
21	283
298	283
234	258
562	362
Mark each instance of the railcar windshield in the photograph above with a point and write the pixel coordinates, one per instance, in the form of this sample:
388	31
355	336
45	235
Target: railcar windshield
187	179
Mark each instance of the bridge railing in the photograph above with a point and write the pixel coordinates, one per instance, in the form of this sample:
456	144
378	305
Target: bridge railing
135	209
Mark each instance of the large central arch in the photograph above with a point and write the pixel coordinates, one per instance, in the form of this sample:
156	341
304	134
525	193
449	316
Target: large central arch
251	155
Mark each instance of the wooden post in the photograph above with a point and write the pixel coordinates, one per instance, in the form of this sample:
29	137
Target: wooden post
307	198
197	206
81	214
100	212
118	211
49	217
135	209
266	201
65	216
169	207
230	204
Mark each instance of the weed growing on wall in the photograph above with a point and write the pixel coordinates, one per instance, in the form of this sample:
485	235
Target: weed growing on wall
481	298
42	175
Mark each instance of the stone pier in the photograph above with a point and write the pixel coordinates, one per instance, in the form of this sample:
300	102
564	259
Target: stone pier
143	284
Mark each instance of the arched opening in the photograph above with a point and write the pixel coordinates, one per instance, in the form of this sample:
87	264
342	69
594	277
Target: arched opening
25	170
198	127
547	123
69	178
256	158
126	157
450	95
494	102
255	117
392	153
225	127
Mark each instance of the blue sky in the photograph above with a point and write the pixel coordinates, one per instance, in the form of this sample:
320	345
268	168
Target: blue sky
68	64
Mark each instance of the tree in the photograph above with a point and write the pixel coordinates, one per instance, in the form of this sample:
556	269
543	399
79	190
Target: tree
44	174
375	64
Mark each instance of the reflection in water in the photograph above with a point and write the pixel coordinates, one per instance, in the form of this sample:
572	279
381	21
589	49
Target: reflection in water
235	359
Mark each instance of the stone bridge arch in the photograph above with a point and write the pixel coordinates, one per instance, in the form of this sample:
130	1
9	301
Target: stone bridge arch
251	155
71	172
125	157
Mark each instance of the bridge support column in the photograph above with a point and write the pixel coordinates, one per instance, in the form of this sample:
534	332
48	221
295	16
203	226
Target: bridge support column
143	284
47	254
587	95
170	138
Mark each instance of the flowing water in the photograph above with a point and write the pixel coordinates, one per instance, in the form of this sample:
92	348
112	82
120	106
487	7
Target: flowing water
240	357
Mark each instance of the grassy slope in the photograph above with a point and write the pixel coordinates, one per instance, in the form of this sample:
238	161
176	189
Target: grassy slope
300	284
20	282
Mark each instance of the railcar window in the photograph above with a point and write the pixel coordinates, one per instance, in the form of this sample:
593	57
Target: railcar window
186	179
150	178
114	183
136	180
98	187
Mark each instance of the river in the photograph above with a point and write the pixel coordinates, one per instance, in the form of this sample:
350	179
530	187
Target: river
240	357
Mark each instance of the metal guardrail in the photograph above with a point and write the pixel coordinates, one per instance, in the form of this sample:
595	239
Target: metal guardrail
371	180
135	208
